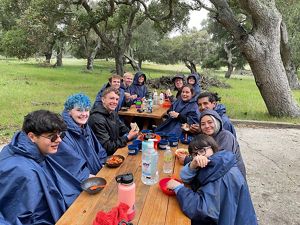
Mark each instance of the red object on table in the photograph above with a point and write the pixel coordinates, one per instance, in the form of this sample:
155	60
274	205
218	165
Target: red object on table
157	137
113	217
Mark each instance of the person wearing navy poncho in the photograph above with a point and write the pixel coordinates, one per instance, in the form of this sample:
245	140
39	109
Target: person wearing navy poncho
35	189
115	82
219	193
183	110
138	86
80	152
194	80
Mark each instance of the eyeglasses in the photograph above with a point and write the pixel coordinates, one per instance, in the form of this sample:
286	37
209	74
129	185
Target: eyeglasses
53	137
200	151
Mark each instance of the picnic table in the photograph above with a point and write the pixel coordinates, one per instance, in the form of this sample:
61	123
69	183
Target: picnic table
157	114
152	205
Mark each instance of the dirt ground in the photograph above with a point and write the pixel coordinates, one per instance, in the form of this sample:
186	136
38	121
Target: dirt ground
272	159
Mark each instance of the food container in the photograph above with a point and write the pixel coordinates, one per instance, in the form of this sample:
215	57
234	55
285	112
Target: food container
93	185
162	145
133	149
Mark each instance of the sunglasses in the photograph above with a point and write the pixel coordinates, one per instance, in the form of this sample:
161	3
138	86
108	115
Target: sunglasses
53	137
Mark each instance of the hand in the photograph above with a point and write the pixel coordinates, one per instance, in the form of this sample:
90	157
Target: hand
181	158
133	96
195	128
199	161
132	134
172	184
173	114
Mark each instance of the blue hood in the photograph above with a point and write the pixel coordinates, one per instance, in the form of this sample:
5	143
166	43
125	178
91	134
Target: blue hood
214	114
137	76
220	109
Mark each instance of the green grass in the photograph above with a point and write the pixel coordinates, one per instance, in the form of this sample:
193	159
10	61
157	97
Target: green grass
26	86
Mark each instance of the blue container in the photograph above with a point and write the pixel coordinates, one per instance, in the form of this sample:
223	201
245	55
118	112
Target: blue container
138	143
185	139
133	149
173	141
146	131
163	144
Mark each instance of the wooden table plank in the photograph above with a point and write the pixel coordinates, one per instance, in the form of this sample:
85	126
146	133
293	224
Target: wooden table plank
157	113
152	205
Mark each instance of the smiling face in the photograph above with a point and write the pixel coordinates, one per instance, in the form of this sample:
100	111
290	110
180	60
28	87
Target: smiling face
207	125
115	83
128	79
191	81
79	115
110	101
204	103
141	79
186	94
43	142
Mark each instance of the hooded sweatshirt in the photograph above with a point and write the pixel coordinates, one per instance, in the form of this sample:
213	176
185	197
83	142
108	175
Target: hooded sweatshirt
227	125
80	152
138	89
197	87
34	188
226	140
220	193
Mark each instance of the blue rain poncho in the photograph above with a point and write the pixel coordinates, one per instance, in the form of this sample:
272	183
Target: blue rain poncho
138	89
80	152
34	188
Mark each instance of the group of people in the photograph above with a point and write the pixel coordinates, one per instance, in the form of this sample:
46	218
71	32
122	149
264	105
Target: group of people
42	167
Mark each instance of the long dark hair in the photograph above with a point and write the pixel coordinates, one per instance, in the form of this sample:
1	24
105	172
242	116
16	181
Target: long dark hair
201	141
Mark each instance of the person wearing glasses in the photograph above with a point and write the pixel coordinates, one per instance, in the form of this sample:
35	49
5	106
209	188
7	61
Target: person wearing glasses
211	124
35	189
80	152
219	193
110	131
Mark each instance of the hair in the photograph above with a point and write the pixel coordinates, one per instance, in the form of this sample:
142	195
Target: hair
127	73
217	123
114	76
43	121
190	87
201	141
212	97
110	89
79	100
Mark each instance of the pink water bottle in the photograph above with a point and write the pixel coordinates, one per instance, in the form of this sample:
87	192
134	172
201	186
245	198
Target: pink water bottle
126	192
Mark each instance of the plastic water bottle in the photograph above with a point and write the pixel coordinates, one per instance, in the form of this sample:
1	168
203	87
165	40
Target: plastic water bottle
161	98
155	98
126	192
149	163
150	104
168	161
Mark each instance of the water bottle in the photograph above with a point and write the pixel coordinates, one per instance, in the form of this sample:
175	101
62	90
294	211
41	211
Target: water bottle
168	160
155	98
161	98
150	104
126	192
149	163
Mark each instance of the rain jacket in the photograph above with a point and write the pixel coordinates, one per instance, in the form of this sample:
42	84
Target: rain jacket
226	140
220	193
80	152
188	113
227	125
136	88
197	87
121	97
34	188
109	130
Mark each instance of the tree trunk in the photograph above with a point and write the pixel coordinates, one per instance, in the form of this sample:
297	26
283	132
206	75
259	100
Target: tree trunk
261	48
92	55
140	64
286	56
191	66
59	59
90	63
48	56
229	70
119	63
135	66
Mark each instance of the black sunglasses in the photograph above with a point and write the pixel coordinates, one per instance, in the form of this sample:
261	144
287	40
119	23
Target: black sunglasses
54	137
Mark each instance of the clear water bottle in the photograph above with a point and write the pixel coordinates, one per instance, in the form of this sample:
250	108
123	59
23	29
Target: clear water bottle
168	160
150	104
149	163
126	192
155	98
161	98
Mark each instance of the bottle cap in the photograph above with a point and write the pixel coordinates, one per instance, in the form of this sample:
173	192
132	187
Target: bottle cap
126	178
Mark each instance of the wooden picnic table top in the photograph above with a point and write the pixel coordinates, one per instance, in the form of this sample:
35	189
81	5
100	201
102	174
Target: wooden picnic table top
157	112
152	205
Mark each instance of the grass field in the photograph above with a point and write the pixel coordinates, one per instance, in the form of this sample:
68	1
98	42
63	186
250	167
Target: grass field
27	86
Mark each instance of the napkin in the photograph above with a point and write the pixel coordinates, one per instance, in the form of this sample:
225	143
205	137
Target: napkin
113	217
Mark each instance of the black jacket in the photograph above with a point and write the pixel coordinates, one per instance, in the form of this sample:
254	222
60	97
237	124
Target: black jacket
108	128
